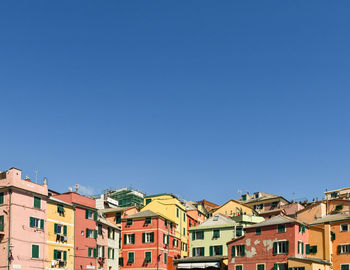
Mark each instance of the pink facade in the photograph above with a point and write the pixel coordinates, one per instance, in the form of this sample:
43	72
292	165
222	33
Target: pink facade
102	246
24	213
267	245
85	229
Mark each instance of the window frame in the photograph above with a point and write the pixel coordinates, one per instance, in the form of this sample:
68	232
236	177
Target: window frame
341	227
279	226
38	250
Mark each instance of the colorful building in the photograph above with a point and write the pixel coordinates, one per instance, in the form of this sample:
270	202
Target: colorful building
338	193
234	208
108	237
149	241
268	245
169	206
85	229
340	238
60	235
23	222
210	237
262	201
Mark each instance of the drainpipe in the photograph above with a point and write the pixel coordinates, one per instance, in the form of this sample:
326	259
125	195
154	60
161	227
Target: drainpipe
9	236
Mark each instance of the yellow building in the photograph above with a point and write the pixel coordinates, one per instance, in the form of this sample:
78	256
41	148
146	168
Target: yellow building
172	208
60	235
234	208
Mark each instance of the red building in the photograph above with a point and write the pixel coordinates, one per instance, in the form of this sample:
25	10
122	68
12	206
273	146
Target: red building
85	233
149	241
267	245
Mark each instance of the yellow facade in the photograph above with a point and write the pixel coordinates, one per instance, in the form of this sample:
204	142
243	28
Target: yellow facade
233	208
60	235
170	207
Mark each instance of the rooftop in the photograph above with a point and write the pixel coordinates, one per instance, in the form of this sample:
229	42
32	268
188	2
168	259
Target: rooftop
201	259
275	221
331	218
217	220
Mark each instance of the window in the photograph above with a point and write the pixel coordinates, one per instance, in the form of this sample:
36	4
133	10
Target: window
216	233
129	239
184	230
258	206
280	266
60	209
37	202
101	251
1	197
334	194
344	227
281	247
260	267
111	253
184	217
344	249
128	222
92	252
2	223
258	231
165	239
244	197
345	267
60	255
296	268
90	215
238	251
91	233
118	218
148	237
339	207
274	204
99	229
60	229
300	247
111	233
310	249
131	257
302	229
165	258
281	228
36	223
198	235
175	243
215	250
177	212
199	251
148	201
148	256
35	251
239	231
148	221
239	267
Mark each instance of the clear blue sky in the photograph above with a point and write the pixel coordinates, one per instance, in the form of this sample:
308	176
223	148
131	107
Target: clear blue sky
197	98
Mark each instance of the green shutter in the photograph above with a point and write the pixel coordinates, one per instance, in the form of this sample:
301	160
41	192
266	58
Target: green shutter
1	197
35	251
275	266
152	237
37	202
193	252
302	248
287	247
274	248
95	216
211	251
55	228
55	254
31	222
243	251
133	238
307	249
233	251
220	250
41	224
165	257
65	230
87	233
65	255
124	239
95	234
95	252
113	253
143	237
86	214
118	218
193	236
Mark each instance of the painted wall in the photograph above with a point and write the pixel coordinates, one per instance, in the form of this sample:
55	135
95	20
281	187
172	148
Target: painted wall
22	208
102	240
309	214
173	209
158	248
233	208
259	248
340	238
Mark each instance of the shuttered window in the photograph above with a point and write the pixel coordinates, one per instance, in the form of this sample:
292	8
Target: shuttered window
2	223
35	251
131	257
37	202
1	197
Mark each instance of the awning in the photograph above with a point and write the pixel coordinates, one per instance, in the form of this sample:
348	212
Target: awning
198	265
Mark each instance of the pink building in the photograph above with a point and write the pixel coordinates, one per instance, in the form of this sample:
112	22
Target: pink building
268	245
23	218
85	230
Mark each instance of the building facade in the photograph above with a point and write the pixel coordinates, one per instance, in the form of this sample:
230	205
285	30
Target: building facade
23	222
60	235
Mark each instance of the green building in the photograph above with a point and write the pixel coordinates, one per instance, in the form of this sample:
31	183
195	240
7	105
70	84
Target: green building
127	197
